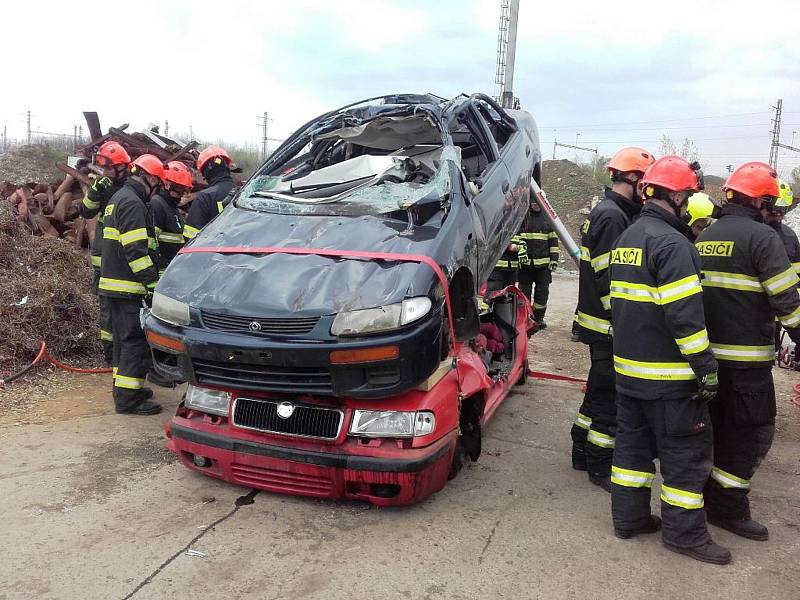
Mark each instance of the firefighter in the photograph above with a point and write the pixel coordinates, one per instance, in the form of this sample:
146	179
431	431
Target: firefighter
542	253
666	372
595	424
773	216
128	277
113	160
700	212
213	163
748	281
507	268
167	218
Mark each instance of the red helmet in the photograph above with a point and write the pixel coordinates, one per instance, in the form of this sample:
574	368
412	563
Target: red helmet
631	159
212	152
753	179
149	164
178	173
672	173
112	153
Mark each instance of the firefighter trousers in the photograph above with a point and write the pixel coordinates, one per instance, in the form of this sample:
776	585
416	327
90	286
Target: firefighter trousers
131	353
743	415
501	278
595	424
678	433
106	336
535	284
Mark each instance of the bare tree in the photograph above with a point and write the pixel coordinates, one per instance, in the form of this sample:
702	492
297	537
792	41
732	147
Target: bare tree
688	149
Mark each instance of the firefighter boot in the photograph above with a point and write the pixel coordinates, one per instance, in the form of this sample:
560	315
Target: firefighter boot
709	552
578	457
651	527
603	482
746	528
145	407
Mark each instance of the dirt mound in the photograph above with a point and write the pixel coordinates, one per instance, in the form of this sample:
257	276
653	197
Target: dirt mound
570	189
29	164
45	294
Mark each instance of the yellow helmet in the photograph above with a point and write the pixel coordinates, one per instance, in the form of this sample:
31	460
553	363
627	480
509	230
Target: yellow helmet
700	207
785	195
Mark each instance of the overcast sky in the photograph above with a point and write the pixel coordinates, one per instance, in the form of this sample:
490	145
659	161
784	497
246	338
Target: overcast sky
610	73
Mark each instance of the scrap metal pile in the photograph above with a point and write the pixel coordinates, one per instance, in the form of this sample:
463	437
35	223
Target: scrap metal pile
51	208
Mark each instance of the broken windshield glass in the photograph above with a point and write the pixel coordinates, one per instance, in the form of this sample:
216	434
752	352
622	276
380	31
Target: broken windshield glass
365	185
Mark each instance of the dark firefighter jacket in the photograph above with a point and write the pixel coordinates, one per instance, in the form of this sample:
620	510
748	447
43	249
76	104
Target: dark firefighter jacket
168	225
512	260
130	250
613	215
661	345
541	240
791	243
207	204
747	282
94	205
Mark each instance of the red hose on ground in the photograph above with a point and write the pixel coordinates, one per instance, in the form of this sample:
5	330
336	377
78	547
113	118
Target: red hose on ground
554	377
796	399
43	353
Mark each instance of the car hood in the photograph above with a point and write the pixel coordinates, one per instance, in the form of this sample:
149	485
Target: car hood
272	285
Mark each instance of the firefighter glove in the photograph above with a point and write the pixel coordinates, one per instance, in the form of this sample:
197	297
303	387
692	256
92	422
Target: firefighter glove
709	385
553	265
98	187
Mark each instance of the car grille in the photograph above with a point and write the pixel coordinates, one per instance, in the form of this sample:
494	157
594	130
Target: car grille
293	326
292	483
309	380
305	421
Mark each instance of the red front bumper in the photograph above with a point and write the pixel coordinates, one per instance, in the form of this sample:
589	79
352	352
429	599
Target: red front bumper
390	477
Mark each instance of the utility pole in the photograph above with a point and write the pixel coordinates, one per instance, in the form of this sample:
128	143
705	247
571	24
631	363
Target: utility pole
191	134
729	168
264	138
776	137
29	128
75	137
166	127
776	134
575	147
80	133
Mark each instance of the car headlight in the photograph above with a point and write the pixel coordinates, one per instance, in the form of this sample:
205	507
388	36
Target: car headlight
382	318
169	310
208	401
392	423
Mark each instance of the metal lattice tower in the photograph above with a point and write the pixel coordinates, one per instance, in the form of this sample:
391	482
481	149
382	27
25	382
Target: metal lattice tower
502	47
776	135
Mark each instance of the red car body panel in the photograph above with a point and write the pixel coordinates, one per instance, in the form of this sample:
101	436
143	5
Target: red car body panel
378	470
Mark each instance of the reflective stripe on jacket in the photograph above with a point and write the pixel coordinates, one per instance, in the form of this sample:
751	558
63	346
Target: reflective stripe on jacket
747	282
600	230
94	205
661	345
129	245
207	204
541	240
168	226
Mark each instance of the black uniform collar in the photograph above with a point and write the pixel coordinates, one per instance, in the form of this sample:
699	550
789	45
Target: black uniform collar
731	209
136	187
655	211
217	176
172	202
629	207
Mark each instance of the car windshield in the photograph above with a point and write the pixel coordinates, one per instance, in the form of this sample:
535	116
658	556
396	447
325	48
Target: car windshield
383	165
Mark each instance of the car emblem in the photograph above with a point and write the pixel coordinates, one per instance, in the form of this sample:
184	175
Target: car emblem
254	326
285	410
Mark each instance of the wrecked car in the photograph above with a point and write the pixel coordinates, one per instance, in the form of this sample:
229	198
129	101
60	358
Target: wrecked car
328	321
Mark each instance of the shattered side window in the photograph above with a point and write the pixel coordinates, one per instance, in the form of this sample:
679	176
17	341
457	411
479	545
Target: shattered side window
365	185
